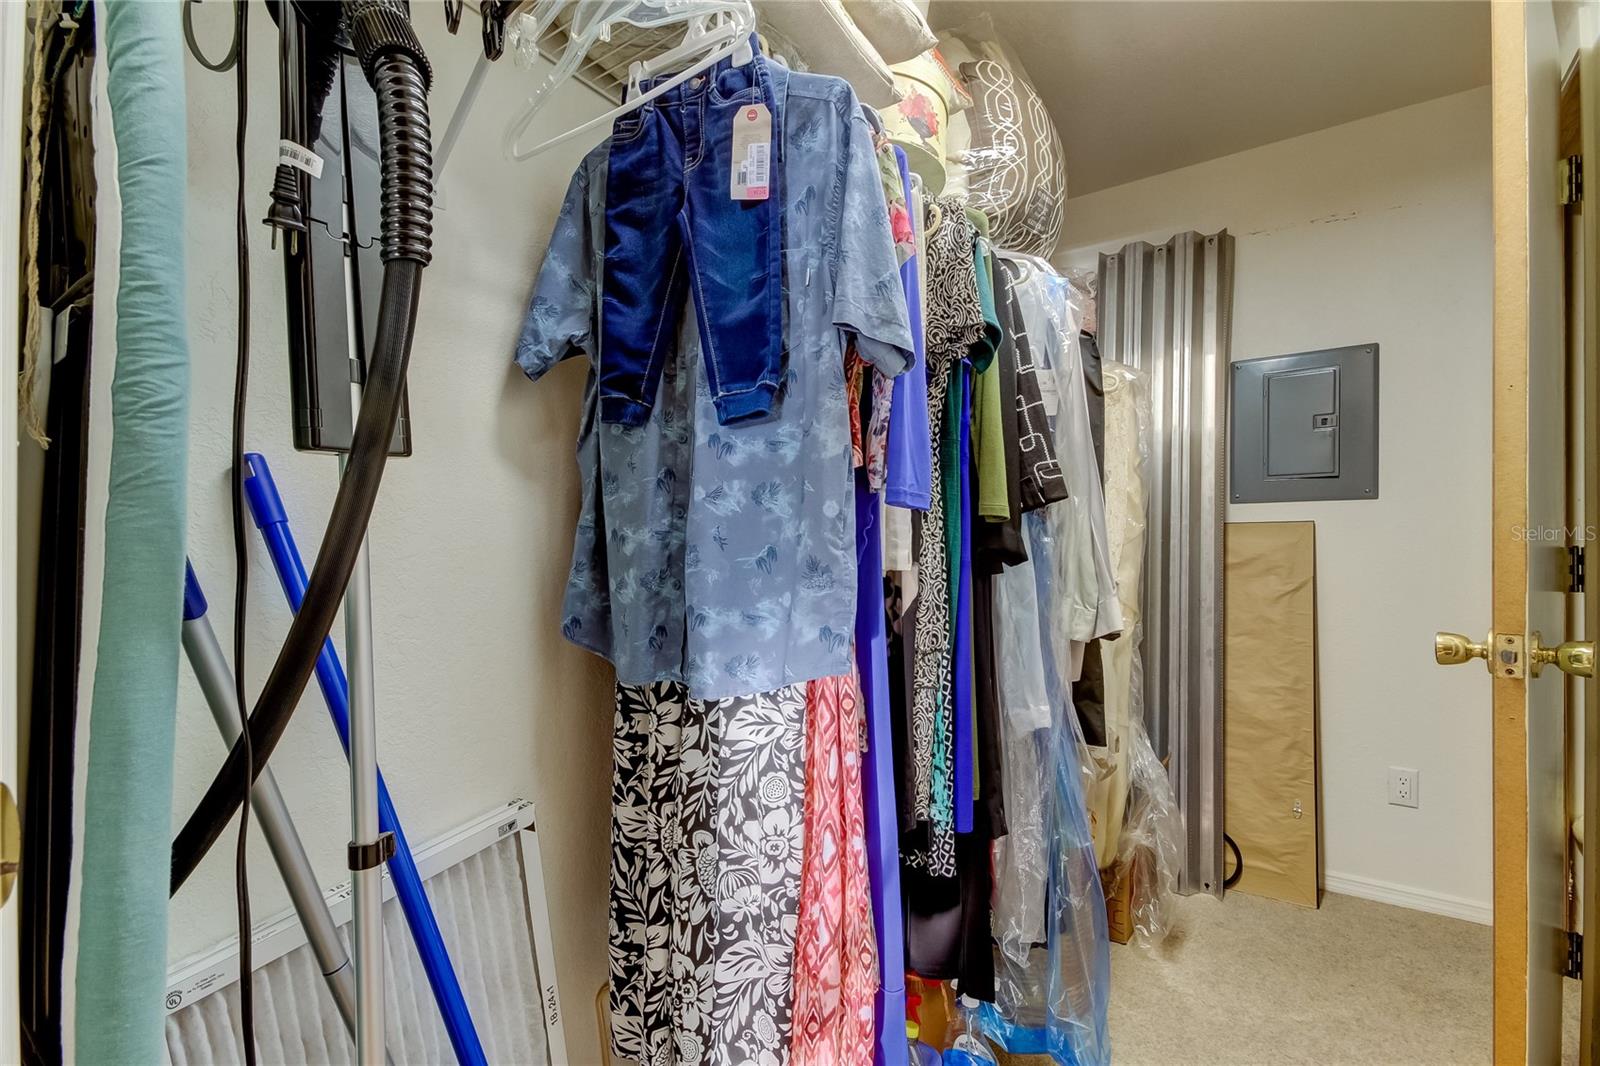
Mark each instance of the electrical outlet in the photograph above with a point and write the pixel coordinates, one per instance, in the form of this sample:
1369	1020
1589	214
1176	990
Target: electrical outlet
1403	786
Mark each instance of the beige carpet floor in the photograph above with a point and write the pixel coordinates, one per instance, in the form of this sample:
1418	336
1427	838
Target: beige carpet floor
1256	981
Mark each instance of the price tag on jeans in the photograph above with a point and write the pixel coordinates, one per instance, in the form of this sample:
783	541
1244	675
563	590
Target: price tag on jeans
751	176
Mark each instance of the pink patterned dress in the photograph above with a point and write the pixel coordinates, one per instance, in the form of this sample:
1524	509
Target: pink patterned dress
835	955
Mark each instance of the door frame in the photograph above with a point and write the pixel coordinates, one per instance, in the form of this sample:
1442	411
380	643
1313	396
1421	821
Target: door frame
1509	112
14	41
1588	884
1529	848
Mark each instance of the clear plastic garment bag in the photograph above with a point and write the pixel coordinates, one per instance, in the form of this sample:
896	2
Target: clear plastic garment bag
1053	967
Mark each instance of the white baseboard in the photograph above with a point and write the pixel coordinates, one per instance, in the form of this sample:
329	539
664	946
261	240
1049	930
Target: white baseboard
1416	899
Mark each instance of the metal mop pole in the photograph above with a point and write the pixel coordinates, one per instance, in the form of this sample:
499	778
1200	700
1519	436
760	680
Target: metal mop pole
272	520
216	682
368	849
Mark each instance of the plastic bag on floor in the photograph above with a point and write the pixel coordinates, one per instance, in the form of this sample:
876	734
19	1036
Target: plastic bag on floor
1150	847
1053	999
967	1045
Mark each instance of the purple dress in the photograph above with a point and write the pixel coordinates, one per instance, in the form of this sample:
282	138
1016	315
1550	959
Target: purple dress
908	478
883	831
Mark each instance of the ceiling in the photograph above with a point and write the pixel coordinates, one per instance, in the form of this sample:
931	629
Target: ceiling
1139	87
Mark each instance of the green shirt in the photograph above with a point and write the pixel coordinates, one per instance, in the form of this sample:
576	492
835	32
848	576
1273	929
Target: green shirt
988	438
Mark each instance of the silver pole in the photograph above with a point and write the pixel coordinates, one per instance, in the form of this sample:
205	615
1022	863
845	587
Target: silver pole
216	682
367	884
458	117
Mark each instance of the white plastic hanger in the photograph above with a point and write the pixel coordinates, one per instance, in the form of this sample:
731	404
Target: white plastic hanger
722	27
717	30
705	35
1029	260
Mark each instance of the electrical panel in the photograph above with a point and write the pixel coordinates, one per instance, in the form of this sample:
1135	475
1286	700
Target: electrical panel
1304	426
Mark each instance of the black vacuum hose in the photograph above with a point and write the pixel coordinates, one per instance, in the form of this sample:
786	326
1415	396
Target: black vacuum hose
394	63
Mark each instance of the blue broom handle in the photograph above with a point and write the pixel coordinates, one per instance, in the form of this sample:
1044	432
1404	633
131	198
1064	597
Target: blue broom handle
266	507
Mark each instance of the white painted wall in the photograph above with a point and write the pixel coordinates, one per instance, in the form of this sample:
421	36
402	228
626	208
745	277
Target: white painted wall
1377	230
480	700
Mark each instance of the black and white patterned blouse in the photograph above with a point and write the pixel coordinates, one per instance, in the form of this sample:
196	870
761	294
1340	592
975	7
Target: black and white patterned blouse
1042	480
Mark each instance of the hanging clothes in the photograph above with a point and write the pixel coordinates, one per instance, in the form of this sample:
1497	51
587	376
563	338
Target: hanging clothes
1049	922
715	565
835	958
904	484
999	542
706	853
1093	377
959	512
908	485
668	204
996	544
1086	585
1042	480
1020	859
883	389
879	783
1088	688
989	815
955	322
724	555
907	481
1126	426
965	712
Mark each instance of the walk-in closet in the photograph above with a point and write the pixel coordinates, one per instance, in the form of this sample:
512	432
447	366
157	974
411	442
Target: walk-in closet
799	532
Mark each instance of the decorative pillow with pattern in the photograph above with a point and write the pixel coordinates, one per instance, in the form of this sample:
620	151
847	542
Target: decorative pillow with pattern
1015	170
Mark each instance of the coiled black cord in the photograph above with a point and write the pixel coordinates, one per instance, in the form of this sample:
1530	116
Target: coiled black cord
391	56
222	65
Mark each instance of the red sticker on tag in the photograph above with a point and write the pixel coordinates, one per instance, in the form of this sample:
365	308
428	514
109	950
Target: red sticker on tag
750	176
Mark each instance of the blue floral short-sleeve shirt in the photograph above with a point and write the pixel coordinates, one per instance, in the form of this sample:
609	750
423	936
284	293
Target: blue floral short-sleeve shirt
724	556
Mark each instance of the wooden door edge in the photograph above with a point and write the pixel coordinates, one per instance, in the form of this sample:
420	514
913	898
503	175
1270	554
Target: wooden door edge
1509	139
1589	146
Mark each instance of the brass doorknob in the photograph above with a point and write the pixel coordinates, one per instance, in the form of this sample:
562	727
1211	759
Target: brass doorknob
1575	657
10	843
1453	649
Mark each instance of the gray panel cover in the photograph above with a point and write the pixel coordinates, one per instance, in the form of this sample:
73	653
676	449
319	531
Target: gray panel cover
1304	427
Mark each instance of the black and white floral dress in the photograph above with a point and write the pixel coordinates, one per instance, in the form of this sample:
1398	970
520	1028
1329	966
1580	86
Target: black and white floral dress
706	844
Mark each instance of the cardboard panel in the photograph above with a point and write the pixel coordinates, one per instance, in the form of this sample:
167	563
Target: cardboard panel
1270	714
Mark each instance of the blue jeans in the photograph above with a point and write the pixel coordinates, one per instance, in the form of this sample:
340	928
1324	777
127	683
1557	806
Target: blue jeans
672	222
